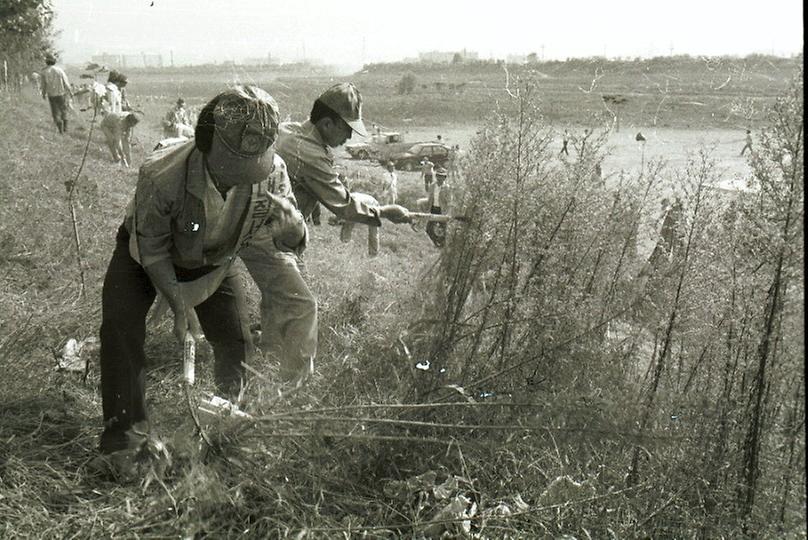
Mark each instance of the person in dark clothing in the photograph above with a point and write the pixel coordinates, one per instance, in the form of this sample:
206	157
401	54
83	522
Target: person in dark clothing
195	205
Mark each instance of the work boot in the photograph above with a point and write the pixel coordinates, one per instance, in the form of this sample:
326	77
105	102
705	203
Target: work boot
141	451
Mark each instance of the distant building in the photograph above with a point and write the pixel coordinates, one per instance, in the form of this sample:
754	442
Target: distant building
109	60
444	57
122	61
152	60
260	61
516	59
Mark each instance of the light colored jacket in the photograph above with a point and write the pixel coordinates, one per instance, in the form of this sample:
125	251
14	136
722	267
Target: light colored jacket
54	82
444	199
167	217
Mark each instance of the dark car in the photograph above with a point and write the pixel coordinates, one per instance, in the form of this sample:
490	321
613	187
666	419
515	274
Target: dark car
411	159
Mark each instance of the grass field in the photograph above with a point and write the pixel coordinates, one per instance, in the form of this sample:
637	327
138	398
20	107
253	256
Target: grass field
296	477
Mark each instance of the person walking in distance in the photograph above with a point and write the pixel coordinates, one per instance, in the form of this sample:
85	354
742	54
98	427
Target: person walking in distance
748	143
565	140
389	192
56	89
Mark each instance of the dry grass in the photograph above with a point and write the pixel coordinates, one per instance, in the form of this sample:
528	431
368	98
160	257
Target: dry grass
364	450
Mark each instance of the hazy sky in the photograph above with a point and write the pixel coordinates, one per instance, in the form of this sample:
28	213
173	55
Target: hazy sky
360	31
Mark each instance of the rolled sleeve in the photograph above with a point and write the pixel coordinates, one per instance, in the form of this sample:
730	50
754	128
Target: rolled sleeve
153	211
321	181
311	167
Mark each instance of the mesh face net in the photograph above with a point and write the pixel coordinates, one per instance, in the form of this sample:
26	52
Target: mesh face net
246	120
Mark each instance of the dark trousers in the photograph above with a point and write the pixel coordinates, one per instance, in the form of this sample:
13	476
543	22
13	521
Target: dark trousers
127	295
428	179
436	231
58	106
316	214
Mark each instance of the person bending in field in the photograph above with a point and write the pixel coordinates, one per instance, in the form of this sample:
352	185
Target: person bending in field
117	128
195	205
288	307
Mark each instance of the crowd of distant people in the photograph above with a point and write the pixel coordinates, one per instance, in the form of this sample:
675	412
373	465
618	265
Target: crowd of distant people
109	101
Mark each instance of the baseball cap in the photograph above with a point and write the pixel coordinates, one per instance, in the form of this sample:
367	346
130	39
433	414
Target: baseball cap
246	120
345	100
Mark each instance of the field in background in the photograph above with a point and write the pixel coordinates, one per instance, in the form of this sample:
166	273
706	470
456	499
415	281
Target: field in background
677	103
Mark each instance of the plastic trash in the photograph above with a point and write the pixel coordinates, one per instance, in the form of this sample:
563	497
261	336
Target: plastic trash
221	407
76	354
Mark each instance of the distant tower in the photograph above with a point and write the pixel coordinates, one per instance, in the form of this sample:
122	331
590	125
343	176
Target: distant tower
172	57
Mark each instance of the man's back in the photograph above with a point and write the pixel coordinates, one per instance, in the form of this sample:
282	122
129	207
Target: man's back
311	170
54	81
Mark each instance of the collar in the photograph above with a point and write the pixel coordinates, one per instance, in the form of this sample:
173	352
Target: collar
309	129
196	181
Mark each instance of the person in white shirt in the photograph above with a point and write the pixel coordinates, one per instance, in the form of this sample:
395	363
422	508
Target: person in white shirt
389	192
56	89
176	122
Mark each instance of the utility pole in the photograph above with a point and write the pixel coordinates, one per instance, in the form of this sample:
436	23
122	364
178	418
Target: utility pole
542	52
172	57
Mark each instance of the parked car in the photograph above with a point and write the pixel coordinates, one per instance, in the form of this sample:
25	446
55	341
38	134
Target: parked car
374	147
411	159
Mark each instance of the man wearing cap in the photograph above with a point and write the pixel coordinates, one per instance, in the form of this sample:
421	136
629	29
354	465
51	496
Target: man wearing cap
439	200
195	205
288	308
56	89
